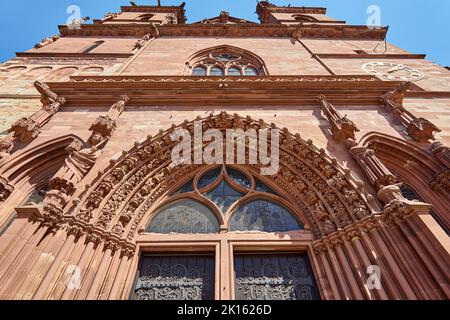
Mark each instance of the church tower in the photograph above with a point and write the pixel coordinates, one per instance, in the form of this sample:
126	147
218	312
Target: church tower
145	156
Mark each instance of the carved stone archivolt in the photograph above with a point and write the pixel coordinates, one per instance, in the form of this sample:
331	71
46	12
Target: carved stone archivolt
121	200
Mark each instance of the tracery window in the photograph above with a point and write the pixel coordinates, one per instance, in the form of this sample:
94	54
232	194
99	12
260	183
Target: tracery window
223	189
226	61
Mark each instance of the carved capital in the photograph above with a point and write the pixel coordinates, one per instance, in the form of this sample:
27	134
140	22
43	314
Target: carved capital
127	252
94	238
396	212
52	215
77	231
111	245
441	181
55	106
422	130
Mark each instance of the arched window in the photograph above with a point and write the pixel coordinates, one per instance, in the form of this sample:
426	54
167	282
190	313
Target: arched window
224	188
229	60
233	71
199	71
250	71
184	216
262	215
215	71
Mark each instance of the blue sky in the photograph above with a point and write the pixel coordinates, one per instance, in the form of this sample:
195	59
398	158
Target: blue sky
419	26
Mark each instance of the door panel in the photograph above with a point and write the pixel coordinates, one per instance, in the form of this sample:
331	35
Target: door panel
175	278
274	277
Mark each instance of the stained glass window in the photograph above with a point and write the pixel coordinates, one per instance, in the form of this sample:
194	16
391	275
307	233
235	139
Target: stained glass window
238	177
216	71
224	187
208	178
262	215
234	71
261	187
186	188
224	196
249	71
184	216
199	71
225	57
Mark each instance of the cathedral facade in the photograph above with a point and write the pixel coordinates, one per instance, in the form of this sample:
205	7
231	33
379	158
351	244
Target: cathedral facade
93	205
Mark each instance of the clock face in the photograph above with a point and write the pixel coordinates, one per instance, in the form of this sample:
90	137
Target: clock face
393	71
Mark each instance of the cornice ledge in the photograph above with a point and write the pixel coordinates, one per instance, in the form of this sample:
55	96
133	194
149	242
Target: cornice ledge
269	79
73	55
239	30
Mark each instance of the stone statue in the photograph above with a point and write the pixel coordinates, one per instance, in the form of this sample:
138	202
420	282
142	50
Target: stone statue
82	157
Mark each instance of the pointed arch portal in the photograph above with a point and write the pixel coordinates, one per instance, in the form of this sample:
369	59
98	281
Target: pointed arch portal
161	230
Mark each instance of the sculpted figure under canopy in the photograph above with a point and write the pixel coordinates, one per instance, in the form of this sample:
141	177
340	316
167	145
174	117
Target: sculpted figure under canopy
80	161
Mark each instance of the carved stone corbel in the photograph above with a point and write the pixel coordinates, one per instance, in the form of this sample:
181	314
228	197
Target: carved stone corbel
342	128
420	129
